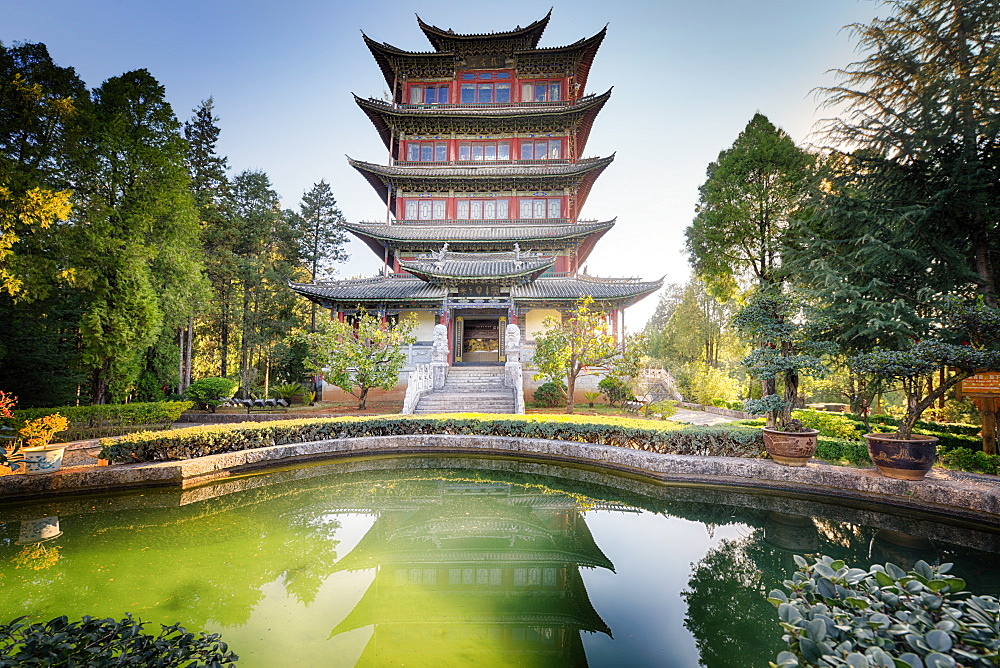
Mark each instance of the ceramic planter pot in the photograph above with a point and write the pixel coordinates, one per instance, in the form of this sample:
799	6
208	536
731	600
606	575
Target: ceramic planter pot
905	459
39	530
791	448
43	460
792	533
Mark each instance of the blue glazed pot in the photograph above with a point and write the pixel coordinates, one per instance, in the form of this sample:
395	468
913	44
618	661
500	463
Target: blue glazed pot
42	460
905	459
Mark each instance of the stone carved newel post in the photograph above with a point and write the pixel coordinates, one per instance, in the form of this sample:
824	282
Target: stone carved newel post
512	368
439	356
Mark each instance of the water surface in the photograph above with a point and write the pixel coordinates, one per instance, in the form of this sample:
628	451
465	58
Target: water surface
454	562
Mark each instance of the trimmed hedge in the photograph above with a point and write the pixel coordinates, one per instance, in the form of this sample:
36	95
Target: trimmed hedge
965	459
722	440
106	419
842	450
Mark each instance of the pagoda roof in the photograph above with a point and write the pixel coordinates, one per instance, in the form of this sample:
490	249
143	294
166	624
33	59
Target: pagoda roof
386	602
580	174
625	291
451	267
398	65
395	289
399	290
446	40
578	116
462	236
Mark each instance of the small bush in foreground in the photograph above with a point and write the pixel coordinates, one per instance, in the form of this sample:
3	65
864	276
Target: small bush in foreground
664	437
884	617
99	643
965	459
550	394
208	393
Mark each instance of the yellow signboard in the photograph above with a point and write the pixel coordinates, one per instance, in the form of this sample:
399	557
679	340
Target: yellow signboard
984	384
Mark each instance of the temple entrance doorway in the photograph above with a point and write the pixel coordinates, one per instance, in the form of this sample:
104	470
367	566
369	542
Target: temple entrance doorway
479	340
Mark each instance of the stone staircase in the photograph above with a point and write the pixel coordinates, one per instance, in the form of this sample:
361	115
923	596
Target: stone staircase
470	389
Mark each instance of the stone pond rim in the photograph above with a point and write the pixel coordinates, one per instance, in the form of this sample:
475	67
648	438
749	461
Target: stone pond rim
963	496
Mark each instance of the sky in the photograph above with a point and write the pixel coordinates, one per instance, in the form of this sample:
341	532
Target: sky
687	75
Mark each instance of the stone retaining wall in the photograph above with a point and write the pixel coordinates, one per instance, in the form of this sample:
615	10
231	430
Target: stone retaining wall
964	495
728	412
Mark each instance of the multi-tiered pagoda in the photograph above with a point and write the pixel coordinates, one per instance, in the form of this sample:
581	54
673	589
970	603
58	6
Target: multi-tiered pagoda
483	190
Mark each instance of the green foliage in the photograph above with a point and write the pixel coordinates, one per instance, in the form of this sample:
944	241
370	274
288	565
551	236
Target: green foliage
750	193
550	394
286	391
107	419
788	333
663	409
361	355
884	617
966	459
583	339
842	450
836	425
667	437
210	392
103	643
616	390
591	397
701	383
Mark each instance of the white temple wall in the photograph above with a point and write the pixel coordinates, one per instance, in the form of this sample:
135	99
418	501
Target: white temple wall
424	330
533	320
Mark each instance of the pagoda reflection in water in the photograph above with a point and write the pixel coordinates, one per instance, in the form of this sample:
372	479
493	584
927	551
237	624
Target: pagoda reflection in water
476	573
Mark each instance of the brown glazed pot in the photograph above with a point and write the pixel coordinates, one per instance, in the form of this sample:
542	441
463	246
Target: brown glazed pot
791	448
905	459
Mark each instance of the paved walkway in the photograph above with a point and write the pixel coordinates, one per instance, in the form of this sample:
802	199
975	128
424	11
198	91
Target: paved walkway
699	417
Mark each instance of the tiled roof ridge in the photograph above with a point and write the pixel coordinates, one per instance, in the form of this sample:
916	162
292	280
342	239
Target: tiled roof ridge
431	31
580	166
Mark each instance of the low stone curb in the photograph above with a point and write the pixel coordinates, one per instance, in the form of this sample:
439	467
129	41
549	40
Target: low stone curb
969	496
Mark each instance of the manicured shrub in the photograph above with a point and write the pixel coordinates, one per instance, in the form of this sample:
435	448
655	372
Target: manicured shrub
720	403
842	450
208	393
550	395
617	391
99	643
884	617
835	425
664	437
106	419
965	459
734	405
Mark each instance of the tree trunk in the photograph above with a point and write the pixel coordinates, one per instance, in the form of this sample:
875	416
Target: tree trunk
571	386
190	352
362	398
180	362
767	388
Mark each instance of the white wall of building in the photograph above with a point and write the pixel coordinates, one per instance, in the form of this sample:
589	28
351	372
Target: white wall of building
425	324
533	320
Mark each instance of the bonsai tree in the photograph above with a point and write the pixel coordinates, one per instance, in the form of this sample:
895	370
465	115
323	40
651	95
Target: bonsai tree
978	325
786	333
11	444
359	355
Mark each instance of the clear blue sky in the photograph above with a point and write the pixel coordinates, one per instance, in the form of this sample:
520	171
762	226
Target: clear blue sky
687	76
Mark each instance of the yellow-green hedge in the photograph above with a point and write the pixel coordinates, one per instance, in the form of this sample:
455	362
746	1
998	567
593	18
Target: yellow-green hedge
722	440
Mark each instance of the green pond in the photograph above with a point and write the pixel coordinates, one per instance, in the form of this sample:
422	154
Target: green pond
457	561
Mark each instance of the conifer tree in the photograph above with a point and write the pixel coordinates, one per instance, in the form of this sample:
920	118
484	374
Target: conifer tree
322	236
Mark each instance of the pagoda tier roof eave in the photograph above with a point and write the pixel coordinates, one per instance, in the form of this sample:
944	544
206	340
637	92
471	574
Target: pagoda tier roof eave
385	54
405	291
582	113
451	267
581	174
438	36
479	237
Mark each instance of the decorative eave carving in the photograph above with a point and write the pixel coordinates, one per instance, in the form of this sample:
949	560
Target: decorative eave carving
579	176
577	118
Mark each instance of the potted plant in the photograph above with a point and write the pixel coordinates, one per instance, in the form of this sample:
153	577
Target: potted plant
786	334
39	457
11	443
904	454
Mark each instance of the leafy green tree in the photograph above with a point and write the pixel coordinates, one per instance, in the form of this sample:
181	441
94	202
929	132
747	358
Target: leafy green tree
359	355
752	192
566	346
918	197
